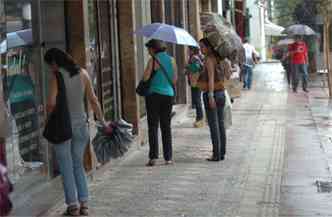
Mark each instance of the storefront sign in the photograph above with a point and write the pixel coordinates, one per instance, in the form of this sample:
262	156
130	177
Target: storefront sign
25	112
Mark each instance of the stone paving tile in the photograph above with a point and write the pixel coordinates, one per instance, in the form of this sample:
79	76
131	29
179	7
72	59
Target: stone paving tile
246	184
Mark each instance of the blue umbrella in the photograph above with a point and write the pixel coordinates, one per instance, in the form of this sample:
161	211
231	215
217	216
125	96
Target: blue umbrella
167	33
16	39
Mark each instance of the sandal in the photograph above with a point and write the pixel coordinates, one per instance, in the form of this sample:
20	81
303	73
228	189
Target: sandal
72	211
169	162
151	163
84	211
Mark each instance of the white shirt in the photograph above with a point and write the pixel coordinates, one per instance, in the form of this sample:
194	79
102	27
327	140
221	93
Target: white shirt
249	51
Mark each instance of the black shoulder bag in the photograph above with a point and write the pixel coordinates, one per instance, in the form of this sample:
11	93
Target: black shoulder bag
58	127
142	88
168	79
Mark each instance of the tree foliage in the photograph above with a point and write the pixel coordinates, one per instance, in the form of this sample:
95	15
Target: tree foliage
284	11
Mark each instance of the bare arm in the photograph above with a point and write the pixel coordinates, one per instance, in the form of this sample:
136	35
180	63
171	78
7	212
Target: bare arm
148	70
91	96
175	69
210	69
52	93
210	66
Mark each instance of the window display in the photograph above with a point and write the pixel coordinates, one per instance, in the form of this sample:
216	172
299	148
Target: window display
24	151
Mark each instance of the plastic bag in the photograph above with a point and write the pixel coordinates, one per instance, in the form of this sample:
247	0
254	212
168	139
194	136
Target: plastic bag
227	111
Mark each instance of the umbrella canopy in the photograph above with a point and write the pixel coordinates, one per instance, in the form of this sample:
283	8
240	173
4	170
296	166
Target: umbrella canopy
285	42
272	29
299	29
16	39
167	33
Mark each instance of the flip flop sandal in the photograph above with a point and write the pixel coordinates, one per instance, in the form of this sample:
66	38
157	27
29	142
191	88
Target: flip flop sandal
84	211
151	163
72	211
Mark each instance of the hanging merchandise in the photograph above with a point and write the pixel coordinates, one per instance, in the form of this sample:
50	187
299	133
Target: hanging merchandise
112	141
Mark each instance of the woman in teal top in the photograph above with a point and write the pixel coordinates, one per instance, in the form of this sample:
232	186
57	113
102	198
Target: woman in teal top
161	69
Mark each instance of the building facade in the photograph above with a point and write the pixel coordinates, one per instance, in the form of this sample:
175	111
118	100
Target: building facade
99	36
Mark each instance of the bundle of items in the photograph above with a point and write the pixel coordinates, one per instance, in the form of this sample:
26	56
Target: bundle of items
112	140
221	35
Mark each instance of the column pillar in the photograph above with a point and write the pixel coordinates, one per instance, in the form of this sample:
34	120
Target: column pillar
158	11
194	19
179	8
128	62
206	6
78	36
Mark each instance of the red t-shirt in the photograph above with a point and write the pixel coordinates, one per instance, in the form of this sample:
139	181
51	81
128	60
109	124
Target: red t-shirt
299	52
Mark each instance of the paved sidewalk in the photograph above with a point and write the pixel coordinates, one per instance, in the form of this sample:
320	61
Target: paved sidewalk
246	184
309	154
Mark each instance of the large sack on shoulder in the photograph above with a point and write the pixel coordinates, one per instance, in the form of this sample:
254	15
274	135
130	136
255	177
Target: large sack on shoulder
220	44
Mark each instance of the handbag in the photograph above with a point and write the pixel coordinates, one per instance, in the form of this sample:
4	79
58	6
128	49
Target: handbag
143	86
168	79
58	127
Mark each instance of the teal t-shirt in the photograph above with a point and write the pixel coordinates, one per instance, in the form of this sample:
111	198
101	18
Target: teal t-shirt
159	83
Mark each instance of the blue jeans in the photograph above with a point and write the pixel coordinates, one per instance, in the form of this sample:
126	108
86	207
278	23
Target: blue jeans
247	76
70	159
197	102
216	124
300	70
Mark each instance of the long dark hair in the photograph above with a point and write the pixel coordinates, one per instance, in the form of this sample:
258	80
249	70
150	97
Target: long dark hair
207	44
63	60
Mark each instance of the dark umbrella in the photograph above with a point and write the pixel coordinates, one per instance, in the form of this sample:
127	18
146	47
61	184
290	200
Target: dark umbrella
299	29
111	141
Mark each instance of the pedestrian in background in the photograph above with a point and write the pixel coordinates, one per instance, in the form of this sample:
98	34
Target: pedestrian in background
69	154
211	82
193	70
251	56
286	63
298	52
161	68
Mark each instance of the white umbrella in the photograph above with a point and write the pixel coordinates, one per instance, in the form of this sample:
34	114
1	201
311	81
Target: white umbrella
285	41
299	29
16	39
167	33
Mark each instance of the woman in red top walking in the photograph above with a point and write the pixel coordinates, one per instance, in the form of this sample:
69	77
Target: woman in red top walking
298	52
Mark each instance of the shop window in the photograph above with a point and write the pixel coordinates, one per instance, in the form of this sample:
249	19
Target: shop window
24	152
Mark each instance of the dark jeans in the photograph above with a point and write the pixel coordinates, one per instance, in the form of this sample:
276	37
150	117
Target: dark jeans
216	123
247	73
159	109
197	102
300	70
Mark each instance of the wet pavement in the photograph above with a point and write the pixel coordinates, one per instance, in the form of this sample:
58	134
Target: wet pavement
275	155
307	176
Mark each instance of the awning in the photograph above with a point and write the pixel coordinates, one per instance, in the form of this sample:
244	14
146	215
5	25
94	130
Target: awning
273	29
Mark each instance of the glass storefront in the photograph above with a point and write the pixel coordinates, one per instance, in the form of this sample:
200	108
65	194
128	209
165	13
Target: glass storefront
27	26
24	151
104	55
